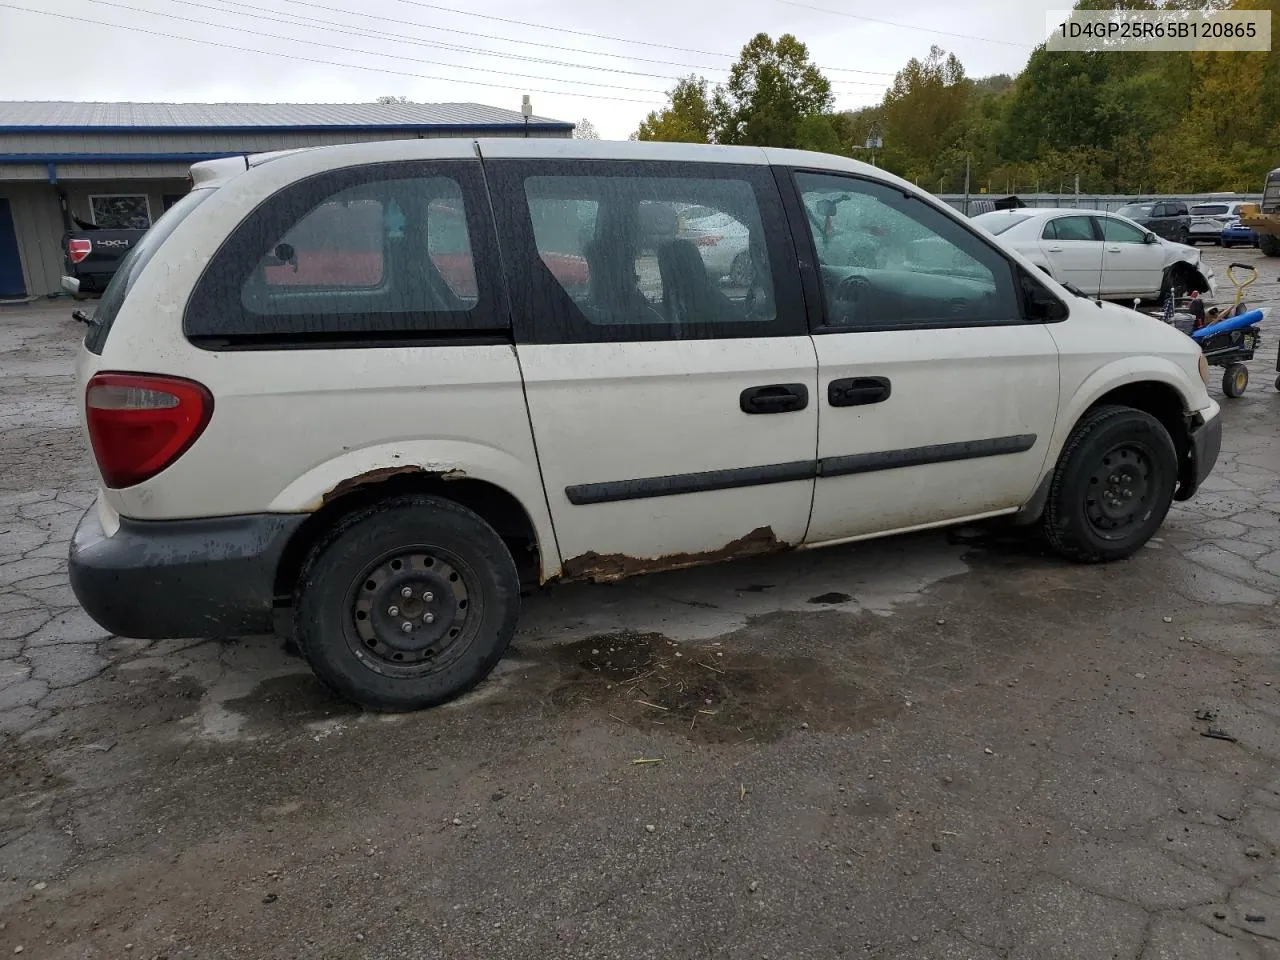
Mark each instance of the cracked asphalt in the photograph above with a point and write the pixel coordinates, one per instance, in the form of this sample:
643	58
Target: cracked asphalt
941	746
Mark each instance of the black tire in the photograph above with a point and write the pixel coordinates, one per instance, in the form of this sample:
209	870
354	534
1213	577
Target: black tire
1235	379
1113	450
1269	245
1227	246
463	602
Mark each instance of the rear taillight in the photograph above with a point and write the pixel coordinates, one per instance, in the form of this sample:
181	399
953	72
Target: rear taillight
77	250
140	424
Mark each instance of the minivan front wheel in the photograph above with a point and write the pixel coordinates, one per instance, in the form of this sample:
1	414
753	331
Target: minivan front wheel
1112	486
407	604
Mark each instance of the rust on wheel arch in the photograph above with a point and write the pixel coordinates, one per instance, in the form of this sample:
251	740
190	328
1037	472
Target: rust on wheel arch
605	568
386	473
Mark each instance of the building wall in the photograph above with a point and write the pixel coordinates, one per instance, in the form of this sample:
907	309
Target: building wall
38	225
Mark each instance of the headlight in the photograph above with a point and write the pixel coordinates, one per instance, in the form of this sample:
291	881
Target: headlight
1204	370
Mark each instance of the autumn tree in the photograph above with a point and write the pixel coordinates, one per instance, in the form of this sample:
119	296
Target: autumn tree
686	118
585	130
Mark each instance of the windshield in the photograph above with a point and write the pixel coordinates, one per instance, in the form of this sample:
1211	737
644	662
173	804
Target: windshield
1209	209
1135	210
998	221
131	265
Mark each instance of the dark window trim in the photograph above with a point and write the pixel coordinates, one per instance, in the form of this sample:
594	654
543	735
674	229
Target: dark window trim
614	491
808	258
217	294
543	312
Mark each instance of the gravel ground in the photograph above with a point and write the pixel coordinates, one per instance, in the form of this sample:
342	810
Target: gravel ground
938	746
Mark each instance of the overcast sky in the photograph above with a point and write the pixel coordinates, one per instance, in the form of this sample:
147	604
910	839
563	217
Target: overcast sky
410	48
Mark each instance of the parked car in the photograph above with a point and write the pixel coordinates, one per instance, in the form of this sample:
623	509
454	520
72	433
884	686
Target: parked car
1169	219
1236	234
379	461
1103	254
1209	219
91	256
722	242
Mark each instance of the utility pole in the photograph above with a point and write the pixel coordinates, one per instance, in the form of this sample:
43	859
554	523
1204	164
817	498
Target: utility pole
966	184
1077	191
526	108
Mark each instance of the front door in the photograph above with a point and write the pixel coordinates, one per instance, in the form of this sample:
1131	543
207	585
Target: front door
11	282
673	395
1074	250
1131	267
937	399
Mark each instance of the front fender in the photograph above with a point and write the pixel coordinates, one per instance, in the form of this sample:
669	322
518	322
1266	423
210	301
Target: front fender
1122	372
448	459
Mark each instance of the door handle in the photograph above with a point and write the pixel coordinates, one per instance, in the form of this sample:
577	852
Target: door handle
774	398
1113	249
1055	249
857	391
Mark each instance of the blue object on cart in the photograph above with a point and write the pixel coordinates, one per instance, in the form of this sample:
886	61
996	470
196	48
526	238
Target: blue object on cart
1231	323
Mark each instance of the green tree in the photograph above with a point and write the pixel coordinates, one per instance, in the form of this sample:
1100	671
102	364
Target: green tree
686	118
771	89
818	132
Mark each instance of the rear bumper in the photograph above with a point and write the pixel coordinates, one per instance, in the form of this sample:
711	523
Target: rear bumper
1206	444
160	579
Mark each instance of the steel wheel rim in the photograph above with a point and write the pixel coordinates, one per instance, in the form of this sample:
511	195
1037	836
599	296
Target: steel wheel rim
412	612
1120	491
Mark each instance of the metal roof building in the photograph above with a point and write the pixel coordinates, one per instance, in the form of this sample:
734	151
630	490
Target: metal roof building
123	164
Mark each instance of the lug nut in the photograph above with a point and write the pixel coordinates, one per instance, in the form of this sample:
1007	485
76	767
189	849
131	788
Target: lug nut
407	627
429	618
406	592
428	597
393	611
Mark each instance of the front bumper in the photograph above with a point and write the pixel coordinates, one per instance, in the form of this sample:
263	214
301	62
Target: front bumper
1206	444
161	579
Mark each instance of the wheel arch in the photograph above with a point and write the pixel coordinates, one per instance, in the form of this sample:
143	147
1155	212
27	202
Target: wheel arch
527	532
1154	390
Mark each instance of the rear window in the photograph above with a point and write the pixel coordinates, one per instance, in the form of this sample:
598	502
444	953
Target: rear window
999	222
1209	209
131	266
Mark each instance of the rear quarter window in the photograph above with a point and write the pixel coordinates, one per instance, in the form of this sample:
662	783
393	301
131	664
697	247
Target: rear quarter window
132	265
361	256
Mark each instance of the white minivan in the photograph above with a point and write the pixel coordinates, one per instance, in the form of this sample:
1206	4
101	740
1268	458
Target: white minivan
365	394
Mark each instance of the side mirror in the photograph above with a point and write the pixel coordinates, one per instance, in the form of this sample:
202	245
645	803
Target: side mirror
1039	302
1150	238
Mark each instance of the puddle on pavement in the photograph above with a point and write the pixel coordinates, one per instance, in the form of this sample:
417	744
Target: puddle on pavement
289	700
706	693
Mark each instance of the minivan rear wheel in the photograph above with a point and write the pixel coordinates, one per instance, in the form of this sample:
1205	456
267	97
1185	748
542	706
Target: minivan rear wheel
1112	486
407	604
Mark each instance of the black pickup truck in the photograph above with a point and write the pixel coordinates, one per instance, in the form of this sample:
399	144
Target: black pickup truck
91	255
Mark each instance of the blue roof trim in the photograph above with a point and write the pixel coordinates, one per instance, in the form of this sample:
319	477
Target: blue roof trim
542	126
11	159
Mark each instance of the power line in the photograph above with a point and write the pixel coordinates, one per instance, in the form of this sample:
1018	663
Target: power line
372	53
904	26
605	36
317	60
346	29
332	26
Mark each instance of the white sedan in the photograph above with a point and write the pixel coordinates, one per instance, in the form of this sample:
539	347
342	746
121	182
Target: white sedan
1102	254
